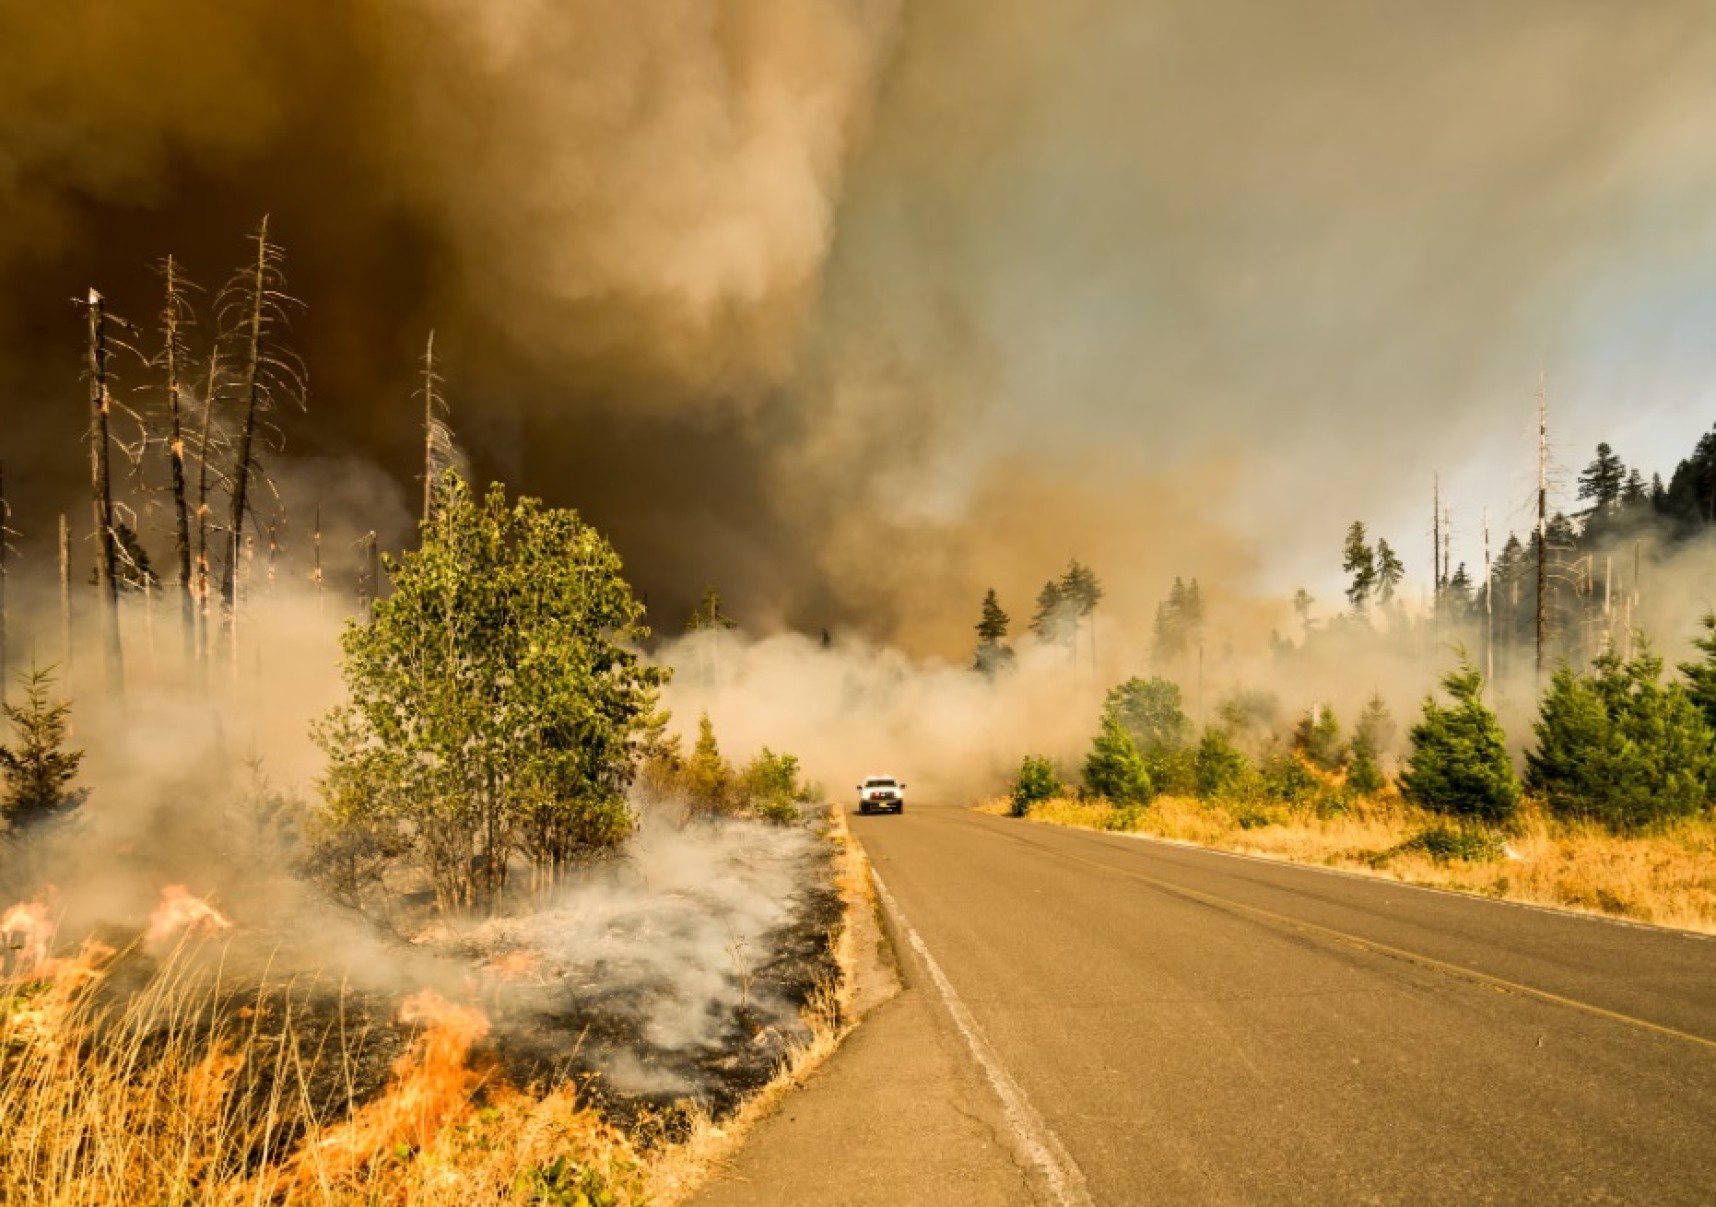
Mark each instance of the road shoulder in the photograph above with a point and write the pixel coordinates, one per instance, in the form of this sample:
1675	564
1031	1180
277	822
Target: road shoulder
898	1114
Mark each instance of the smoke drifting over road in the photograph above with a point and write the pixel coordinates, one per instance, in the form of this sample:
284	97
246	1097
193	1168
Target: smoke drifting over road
855	307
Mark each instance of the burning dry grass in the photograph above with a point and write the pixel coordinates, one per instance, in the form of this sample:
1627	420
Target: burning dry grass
131	1071
159	1096
1668	878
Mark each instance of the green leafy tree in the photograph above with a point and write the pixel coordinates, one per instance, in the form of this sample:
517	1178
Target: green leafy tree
1114	770
1035	783
497	700
1619	746
1459	762
993	653
37	767
1359	560
1150	712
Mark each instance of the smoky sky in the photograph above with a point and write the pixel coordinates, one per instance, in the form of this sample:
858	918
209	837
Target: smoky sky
854	308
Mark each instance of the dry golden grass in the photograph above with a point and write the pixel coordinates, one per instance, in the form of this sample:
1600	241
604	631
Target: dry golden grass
179	1094
1667	878
149	1099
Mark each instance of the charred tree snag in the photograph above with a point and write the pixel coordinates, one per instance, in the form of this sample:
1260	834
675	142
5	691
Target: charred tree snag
65	600
101	487
172	359
255	306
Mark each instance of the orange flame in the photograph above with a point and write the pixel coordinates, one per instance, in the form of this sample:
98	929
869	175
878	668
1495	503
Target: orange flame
433	1083
29	929
42	989
179	910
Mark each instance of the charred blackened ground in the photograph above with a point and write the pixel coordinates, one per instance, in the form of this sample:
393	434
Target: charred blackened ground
677	977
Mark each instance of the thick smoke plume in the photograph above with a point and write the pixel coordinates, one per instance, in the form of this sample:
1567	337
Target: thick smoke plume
814	301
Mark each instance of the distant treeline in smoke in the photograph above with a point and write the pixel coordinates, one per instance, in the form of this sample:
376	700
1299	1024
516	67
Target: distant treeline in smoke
1569	594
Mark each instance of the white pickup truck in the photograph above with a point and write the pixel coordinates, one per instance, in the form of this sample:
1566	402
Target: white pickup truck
881	792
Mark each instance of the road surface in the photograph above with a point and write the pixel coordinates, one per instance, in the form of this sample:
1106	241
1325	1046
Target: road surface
1118	1021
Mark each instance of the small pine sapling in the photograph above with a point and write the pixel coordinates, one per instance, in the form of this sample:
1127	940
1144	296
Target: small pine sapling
37	767
1459	763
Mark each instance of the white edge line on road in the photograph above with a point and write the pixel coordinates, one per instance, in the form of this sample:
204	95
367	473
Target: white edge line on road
1035	1140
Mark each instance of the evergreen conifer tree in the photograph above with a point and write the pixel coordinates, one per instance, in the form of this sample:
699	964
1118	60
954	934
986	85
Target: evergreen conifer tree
1389	572
1604	480
1372	735
1359	560
993	654
708	615
1701	676
1619	746
37	768
1056	620
1459	763
1318	738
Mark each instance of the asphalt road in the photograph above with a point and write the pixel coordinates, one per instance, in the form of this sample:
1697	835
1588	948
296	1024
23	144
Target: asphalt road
1146	1023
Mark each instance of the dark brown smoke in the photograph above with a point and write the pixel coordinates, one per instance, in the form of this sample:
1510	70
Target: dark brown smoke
855	307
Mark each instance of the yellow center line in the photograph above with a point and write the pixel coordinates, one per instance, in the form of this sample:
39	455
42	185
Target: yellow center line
1411	957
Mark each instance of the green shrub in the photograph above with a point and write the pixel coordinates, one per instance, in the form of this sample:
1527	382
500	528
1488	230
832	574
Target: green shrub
1174	772
1459	762
1114	769
1035	783
1445	843
1220	770
1250	815
1288	780
1124	818
1318	738
770	782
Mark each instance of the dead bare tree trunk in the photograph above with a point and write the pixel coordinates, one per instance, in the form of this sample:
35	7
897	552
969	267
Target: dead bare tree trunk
171	319
1436	543
203	566
65	602
1542	520
101	488
1489	610
251	395
256	294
